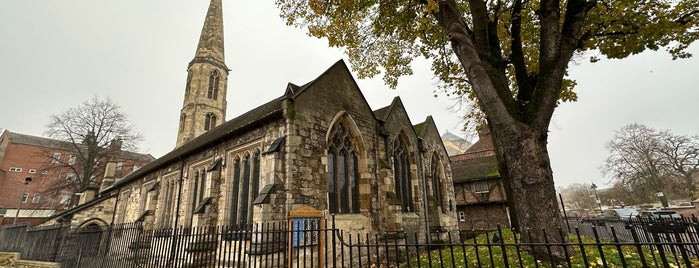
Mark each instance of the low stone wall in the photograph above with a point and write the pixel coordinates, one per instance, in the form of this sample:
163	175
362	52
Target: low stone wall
12	259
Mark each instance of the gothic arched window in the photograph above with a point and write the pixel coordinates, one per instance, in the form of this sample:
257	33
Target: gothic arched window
210	121
436	173
343	188
401	175
246	184
213	86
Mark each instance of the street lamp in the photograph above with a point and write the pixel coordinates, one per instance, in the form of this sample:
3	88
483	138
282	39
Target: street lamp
599	202
19	206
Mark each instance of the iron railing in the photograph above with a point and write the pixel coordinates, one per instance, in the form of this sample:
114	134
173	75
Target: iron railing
316	242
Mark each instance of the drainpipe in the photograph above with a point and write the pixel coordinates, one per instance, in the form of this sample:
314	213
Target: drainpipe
179	194
177	215
421	149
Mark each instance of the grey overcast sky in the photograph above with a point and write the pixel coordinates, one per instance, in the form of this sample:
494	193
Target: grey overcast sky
56	54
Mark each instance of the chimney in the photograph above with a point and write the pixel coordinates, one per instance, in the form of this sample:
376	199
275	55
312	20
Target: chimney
115	145
109	172
483	132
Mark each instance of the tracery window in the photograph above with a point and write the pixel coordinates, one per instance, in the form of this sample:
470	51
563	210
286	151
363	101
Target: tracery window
210	121
245	186
401	173
213	86
436	173
343	188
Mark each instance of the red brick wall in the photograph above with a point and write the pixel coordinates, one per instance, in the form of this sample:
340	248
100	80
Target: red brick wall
25	157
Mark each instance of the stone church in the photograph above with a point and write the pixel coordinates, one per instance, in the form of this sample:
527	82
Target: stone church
317	146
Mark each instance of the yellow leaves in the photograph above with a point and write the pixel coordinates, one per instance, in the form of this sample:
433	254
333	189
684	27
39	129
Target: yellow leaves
432	6
318	6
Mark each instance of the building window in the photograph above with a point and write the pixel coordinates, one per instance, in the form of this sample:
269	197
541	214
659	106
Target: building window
15	169
343	188
56	158
44	172
70	176
436	172
166	205
210	121
25	197
462	216
481	187
32	171
213	86
199	188
246	184
119	165
401	175
36	198
71	160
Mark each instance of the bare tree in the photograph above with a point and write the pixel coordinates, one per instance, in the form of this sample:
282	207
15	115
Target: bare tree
580	196
652	162
94	133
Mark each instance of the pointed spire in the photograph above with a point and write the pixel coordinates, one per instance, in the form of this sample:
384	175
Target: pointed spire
211	39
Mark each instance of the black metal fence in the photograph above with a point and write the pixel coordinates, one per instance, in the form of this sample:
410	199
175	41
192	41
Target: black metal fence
315	242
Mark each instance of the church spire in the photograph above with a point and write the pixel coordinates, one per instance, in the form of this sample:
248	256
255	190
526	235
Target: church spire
211	40
204	105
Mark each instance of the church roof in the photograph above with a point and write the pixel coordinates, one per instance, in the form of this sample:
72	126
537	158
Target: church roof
248	120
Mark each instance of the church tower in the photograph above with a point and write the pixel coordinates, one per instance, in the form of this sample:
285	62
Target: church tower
204	105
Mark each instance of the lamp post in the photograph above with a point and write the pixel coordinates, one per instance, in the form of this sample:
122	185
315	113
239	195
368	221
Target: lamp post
599	202
19	206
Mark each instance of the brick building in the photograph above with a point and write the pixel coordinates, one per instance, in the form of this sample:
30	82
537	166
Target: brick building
480	196
317	147
25	156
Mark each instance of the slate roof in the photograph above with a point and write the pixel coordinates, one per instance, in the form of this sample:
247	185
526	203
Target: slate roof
18	138
474	169
477	162
254	117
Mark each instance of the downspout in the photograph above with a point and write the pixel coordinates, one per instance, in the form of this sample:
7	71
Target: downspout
179	194
115	206
177	214
421	149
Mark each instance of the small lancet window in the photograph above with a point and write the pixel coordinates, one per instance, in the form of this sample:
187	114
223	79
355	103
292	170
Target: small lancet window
210	121
213	86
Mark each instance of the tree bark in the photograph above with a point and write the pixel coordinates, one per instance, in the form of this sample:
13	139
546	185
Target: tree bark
526	167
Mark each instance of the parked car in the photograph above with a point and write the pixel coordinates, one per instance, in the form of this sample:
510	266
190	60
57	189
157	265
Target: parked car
663	221
620	214
597	219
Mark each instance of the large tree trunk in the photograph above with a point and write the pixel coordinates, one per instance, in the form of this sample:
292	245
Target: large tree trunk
519	126
525	165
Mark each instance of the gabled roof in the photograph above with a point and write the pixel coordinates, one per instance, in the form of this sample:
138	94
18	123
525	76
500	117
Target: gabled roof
383	113
270	110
